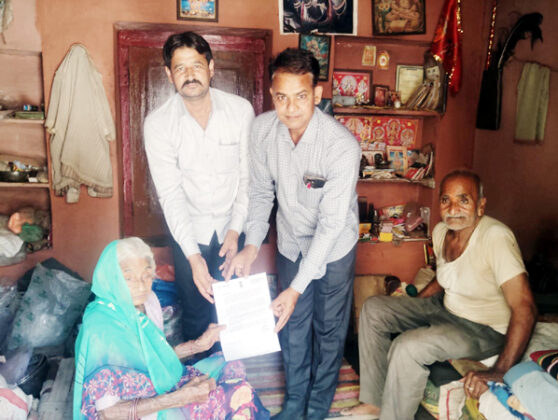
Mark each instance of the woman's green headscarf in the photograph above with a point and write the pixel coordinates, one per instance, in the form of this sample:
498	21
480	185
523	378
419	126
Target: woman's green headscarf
115	334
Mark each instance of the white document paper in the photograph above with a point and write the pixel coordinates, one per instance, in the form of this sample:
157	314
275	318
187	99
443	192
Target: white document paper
243	305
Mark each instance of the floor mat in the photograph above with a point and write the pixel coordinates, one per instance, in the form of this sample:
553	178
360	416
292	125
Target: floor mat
266	375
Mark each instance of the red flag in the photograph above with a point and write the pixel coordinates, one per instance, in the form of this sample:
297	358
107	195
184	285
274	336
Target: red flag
446	45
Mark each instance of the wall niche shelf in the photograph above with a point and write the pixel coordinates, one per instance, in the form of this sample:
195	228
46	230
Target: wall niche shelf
401	258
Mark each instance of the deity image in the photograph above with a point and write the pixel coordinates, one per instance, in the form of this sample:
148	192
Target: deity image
304	16
399	16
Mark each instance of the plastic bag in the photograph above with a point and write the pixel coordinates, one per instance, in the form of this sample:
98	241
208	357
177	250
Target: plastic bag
50	307
165	291
9	302
16	365
14	404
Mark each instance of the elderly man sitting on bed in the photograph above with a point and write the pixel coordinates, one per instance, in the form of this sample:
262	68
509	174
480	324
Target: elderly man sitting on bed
486	309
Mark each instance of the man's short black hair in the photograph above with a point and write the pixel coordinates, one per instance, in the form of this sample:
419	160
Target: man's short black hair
186	39
464	173
296	61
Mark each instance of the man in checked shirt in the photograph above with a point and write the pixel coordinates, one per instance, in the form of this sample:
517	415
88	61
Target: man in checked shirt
309	162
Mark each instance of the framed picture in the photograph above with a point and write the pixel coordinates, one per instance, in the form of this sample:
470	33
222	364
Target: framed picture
304	17
383	60
407	79
397	157
319	45
353	83
398	17
380	94
200	10
369	56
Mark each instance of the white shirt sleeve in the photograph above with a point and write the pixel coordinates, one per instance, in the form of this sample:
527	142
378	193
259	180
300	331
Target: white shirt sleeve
165	172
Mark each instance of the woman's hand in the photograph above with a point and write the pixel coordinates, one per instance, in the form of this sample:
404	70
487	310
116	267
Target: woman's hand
203	343
209	337
195	391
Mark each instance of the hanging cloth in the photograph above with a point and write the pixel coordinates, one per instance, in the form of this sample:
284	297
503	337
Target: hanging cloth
446	45
81	125
532	102
6	16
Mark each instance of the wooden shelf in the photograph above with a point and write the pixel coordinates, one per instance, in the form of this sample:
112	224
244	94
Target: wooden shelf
16	121
395	242
426	183
401	259
24	185
387	40
368	110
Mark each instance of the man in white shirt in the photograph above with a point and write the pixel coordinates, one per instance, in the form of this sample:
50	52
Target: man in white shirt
197	146
486	309
310	163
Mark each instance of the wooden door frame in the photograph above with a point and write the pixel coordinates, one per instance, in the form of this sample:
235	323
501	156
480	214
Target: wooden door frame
128	35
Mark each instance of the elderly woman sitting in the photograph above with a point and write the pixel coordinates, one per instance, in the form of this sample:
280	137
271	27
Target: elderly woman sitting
125	368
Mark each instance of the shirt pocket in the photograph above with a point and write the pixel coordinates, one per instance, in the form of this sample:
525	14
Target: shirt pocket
309	198
228	158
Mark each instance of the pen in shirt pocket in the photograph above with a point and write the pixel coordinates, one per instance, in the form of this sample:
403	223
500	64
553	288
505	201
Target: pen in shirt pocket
313	181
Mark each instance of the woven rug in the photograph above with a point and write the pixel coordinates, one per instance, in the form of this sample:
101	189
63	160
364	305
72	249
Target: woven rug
266	375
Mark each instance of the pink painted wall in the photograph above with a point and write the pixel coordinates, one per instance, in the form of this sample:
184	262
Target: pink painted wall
521	180
82	230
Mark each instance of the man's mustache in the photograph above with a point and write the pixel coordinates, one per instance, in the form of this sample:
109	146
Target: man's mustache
187	82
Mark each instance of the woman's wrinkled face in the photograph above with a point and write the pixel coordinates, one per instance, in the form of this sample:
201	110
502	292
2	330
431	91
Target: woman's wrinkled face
138	273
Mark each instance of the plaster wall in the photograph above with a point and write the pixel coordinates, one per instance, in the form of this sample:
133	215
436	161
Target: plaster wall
521	179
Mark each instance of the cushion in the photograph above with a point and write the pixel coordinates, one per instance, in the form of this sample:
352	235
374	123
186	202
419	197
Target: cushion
548	360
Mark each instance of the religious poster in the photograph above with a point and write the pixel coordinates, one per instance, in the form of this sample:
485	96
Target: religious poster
394	131
358	125
354	83
324	16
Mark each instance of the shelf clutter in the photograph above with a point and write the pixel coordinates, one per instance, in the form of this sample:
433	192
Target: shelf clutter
398	223
22	170
25	112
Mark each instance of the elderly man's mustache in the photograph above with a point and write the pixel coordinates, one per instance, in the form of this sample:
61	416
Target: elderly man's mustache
187	82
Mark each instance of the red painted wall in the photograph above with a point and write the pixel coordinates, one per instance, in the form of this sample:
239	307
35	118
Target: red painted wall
521	180
82	230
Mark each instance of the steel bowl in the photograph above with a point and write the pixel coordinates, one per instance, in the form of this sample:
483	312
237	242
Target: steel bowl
14	176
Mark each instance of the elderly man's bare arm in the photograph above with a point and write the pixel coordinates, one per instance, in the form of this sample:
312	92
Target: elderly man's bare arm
524	312
431	289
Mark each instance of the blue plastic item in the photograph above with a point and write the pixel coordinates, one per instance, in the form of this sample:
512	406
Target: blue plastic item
165	291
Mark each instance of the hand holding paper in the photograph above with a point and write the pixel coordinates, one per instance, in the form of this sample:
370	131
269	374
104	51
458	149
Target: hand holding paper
244	306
